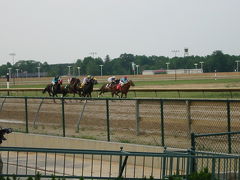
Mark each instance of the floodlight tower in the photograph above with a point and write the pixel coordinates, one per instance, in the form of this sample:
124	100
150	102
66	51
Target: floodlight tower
93	54
13	55
175	51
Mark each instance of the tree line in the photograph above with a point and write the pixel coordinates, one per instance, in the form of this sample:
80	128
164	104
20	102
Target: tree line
124	65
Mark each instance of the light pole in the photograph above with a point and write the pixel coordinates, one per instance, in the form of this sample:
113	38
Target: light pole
137	68
38	71
78	70
12	54
69	70
201	65
237	64
17	72
9	71
196	65
101	68
167	63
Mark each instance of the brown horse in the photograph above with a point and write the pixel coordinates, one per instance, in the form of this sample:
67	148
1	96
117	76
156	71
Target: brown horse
124	89
74	86
106	88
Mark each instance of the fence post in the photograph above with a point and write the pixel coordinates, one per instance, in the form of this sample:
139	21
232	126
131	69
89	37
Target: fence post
162	122
229	128
192	153
63	117
107	117
189	120
26	114
213	168
137	117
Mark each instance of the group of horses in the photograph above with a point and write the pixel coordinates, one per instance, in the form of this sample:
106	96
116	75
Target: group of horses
74	87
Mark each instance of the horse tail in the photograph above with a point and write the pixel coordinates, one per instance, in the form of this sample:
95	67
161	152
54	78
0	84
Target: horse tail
44	90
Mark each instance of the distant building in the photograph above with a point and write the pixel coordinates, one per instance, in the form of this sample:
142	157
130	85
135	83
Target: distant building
152	72
172	71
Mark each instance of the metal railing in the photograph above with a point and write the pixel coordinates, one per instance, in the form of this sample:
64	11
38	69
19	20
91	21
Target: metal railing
97	164
229	92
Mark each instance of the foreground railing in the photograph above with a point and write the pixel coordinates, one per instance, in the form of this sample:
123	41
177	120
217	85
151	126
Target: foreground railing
97	164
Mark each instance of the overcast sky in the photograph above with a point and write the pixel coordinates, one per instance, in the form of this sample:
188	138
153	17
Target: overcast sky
61	31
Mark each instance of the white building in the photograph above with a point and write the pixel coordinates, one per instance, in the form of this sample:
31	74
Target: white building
172	71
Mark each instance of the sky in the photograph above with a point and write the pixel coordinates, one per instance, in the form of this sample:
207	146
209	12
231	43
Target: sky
62	31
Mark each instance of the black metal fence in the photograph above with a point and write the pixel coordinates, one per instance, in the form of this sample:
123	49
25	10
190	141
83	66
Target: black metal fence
97	164
228	142
160	122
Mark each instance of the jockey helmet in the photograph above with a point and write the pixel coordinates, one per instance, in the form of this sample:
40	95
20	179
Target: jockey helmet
89	76
113	77
125	77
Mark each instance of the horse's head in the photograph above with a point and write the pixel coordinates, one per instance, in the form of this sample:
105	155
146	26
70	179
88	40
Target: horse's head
131	83
94	81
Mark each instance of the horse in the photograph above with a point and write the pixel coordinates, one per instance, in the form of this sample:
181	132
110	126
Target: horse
106	88
54	90
74	86
124	89
48	89
88	88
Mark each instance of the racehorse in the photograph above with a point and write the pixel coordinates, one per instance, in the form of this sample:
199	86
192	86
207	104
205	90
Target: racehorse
88	88
124	89
109	88
74	86
48	89
53	90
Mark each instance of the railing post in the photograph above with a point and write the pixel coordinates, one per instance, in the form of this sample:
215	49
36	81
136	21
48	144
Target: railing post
63	117
192	153
213	168
137	117
189	120
26	114
229	128
107	117
162	122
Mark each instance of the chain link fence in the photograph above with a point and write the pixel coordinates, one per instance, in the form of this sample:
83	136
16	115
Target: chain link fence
158	122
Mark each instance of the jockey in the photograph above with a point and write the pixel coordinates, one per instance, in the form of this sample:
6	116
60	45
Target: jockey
111	80
123	81
86	80
57	81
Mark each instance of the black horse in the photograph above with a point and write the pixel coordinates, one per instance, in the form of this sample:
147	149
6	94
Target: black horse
88	88
54	90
